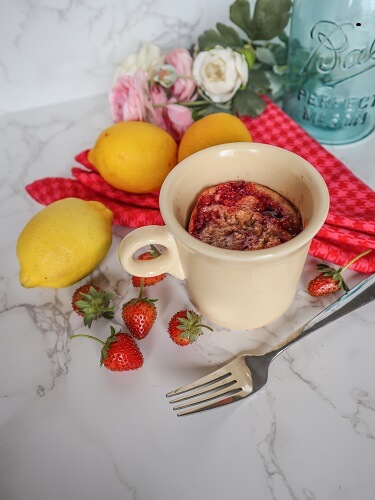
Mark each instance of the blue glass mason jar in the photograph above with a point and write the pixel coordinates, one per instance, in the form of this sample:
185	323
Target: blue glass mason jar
330	85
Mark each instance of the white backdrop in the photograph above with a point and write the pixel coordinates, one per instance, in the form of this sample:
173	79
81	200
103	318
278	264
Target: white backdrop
59	50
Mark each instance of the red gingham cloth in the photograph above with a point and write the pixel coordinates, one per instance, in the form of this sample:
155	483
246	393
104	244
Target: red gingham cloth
350	226
348	231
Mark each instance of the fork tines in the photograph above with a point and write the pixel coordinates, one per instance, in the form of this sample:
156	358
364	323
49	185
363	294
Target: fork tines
219	384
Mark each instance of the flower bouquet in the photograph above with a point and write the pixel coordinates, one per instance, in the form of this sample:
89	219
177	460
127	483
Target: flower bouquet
225	71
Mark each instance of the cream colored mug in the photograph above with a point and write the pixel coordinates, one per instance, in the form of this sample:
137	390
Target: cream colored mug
237	289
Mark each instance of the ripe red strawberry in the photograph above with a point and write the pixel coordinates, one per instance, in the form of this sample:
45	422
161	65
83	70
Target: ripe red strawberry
330	280
139	314
185	327
149	281
119	352
91	302
324	285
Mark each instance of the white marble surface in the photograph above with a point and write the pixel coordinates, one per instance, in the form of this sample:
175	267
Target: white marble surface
72	430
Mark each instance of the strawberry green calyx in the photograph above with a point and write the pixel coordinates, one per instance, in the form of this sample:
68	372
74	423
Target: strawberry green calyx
191	326
104	352
95	304
119	351
137	281
106	344
336	274
154	252
140	297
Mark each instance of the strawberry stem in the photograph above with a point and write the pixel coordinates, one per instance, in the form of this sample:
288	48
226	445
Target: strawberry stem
355	259
87	336
141	288
200	325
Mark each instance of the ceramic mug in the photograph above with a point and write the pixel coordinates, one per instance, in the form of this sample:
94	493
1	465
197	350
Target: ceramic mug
236	289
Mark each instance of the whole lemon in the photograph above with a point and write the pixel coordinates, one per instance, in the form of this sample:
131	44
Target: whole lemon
214	129
63	243
134	156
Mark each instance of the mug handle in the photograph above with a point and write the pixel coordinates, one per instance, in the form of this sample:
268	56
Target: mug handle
168	262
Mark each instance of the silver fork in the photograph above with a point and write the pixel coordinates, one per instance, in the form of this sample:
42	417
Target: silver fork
248	373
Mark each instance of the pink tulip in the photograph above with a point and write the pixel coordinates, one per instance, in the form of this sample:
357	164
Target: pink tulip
129	97
184	87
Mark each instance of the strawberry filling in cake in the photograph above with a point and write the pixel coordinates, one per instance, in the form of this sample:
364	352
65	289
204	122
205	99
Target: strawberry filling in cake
242	215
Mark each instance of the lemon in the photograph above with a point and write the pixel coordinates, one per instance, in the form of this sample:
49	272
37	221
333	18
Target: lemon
63	243
214	129
134	156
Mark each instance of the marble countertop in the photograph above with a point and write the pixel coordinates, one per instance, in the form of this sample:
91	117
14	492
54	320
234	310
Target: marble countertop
72	430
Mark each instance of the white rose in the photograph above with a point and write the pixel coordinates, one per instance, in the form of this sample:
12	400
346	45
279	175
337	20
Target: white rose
220	72
148	58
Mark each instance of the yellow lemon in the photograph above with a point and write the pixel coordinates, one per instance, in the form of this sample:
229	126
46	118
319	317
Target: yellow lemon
134	156
63	243
218	128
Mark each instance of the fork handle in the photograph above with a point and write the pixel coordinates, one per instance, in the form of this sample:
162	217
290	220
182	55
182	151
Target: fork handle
359	295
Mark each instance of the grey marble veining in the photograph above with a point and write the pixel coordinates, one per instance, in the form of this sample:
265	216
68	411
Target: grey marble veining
70	429
55	51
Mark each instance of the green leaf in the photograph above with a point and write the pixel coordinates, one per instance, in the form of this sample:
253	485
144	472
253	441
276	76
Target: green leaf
270	18
258	80
247	102
284	37
277	85
208	39
224	36
209	109
280	53
230	36
239	14
265	56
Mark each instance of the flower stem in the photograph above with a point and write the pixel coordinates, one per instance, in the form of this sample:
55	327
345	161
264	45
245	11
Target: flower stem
183	103
355	259
87	336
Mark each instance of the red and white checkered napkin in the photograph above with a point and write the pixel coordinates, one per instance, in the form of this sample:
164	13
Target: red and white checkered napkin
350	226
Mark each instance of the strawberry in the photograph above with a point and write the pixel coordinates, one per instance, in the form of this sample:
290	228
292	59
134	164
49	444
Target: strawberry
91	302
119	352
152	254
185	327
326	284
330	280
139	314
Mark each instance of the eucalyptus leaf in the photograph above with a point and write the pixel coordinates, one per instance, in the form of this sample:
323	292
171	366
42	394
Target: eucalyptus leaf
276	85
247	102
226	36
209	39
265	56
208	110
258	80
230	36
280	53
239	14
280	70
283	37
270	18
